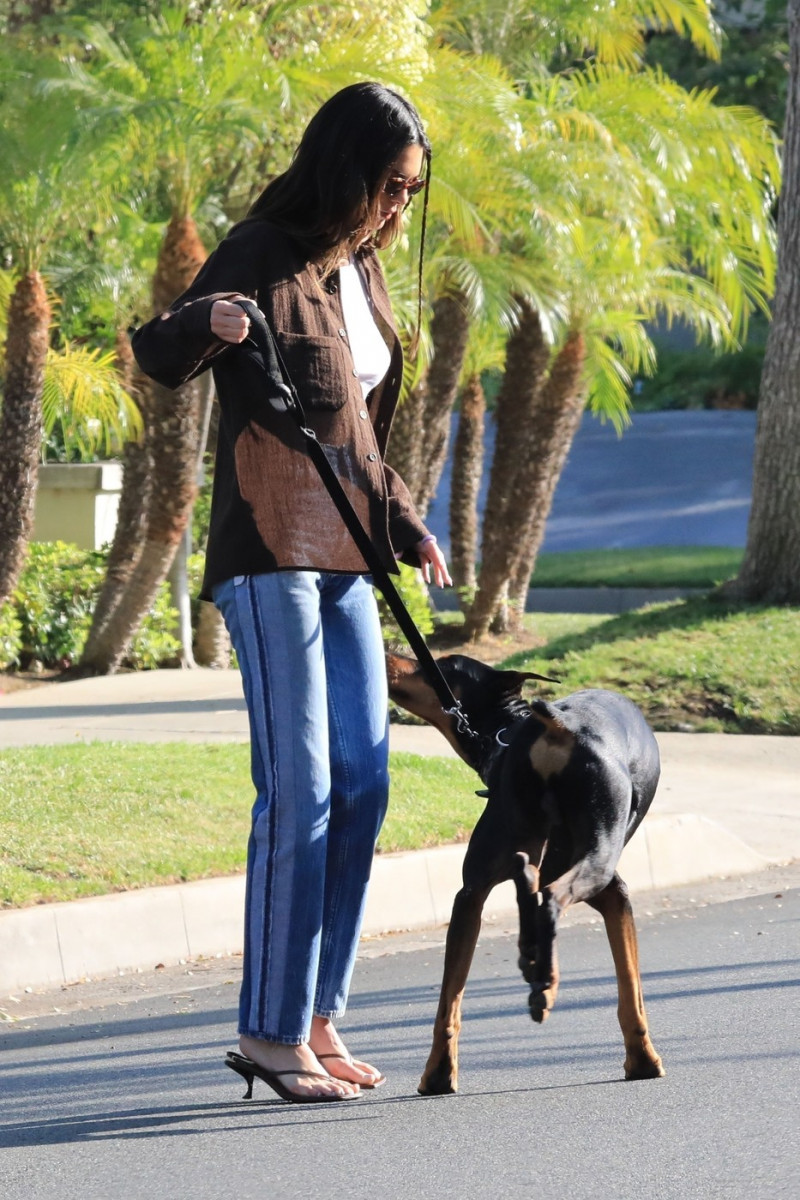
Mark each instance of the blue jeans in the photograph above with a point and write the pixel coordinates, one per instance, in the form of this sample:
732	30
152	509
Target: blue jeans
311	655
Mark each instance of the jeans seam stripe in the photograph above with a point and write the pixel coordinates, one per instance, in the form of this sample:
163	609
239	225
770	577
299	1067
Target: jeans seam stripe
270	782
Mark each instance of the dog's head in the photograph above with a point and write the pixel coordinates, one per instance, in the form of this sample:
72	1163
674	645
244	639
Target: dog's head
487	696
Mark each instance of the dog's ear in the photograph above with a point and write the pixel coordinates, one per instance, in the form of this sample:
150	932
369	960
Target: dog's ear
543	678
511	682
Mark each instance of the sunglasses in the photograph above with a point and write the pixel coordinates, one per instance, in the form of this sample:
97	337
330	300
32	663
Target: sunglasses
395	187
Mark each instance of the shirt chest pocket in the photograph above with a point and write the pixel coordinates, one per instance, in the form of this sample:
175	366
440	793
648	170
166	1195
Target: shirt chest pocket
319	368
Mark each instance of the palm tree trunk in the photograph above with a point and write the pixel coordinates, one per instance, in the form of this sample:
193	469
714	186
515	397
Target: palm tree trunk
21	422
404	451
770	570
449	334
178	575
527	355
212	644
418	442
467	472
174	449
559	412
132	512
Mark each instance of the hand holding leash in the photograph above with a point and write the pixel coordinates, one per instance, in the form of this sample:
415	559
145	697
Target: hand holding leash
229	322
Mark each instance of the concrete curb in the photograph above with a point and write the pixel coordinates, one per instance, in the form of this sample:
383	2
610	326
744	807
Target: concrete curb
57	944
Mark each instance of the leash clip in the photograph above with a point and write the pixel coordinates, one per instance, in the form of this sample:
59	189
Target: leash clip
461	719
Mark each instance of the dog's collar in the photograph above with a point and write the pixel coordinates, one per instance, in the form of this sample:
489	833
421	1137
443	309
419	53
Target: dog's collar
492	746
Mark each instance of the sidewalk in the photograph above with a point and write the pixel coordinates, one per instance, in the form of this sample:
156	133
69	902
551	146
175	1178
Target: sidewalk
726	805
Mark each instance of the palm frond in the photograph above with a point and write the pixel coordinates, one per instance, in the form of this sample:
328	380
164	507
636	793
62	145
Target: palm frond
84	399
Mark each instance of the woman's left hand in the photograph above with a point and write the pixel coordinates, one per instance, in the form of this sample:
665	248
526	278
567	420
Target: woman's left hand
431	556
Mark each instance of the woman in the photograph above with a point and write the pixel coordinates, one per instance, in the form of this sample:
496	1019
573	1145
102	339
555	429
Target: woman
285	573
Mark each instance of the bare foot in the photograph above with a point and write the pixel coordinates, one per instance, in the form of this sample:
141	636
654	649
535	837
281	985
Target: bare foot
276	1056
337	1060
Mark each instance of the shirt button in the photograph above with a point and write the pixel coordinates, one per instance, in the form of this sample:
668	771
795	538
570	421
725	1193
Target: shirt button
355	372
342	333
372	457
363	414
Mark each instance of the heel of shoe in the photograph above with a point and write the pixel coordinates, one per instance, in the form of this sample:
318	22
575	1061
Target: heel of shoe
246	1075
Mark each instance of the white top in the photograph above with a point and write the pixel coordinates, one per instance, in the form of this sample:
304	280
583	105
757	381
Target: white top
371	357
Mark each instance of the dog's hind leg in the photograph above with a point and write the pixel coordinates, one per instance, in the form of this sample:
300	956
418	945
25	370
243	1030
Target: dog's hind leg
440	1076
641	1060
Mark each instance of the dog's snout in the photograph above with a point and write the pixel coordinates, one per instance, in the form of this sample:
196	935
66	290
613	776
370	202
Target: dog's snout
398	670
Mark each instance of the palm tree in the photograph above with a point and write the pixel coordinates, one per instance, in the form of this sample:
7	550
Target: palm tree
168	92
474	199
179	89
42	188
669	203
485	352
642	200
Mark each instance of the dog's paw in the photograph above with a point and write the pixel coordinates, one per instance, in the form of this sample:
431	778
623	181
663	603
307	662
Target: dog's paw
438	1084
645	1068
540	1002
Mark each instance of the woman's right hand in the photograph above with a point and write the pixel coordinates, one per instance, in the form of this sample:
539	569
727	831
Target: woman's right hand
229	321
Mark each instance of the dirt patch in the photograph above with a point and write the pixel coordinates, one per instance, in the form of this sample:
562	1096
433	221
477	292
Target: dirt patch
16	681
492	649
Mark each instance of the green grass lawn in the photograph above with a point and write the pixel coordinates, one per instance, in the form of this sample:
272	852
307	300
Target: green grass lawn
652	566
89	819
696	664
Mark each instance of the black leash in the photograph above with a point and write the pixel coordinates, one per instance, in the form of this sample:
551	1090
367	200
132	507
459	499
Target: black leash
287	400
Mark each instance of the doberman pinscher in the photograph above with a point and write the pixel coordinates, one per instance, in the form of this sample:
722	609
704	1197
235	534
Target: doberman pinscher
567	784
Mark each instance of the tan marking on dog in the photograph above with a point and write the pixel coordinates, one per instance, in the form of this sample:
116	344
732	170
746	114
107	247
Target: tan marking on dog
551	752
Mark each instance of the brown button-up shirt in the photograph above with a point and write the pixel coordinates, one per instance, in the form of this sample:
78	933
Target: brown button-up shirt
270	510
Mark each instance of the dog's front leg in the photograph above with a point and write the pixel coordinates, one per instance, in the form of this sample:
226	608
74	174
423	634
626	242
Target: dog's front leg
440	1076
544	977
641	1060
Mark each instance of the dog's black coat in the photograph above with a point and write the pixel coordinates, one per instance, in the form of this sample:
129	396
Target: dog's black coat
568	783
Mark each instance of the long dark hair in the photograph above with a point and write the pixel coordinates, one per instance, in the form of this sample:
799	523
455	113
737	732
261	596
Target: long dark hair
331	189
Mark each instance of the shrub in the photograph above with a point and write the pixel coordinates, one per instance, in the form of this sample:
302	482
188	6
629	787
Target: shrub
10	637
155	643
700	378
415	597
54	602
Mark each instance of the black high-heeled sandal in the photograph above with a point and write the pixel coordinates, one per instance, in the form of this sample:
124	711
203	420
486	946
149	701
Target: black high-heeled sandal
249	1070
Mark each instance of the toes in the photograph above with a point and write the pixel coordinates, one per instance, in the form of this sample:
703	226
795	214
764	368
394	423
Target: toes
372	1074
352	1070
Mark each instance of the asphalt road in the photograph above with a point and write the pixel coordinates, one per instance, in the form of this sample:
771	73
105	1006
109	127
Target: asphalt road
671	479
123	1092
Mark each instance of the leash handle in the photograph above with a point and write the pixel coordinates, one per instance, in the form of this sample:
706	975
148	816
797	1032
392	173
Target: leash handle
288	400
